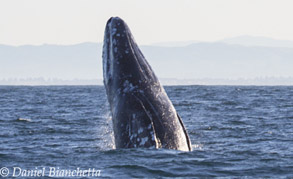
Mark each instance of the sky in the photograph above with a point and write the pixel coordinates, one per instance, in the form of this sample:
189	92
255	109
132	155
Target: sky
67	22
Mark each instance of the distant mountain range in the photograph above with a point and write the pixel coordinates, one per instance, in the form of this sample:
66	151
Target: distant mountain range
258	41
242	57
244	40
82	61
174	43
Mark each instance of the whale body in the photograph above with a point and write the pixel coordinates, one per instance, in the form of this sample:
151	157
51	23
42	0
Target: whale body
142	113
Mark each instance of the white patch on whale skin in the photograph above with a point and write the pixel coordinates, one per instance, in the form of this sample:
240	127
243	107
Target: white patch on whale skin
140	130
144	140
153	137
126	51
114	42
114	30
118	35
115	49
128	87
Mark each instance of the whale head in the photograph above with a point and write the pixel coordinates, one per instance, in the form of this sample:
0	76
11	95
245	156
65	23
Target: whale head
122	59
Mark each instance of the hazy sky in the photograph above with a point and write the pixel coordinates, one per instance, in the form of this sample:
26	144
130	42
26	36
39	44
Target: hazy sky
75	21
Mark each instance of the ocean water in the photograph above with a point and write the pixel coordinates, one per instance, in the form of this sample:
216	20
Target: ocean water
236	131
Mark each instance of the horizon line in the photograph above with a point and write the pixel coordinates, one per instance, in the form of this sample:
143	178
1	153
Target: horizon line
264	81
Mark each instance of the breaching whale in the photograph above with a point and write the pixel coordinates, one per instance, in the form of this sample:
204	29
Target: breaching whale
142	113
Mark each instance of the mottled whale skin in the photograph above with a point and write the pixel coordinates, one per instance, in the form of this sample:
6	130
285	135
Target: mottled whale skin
142	113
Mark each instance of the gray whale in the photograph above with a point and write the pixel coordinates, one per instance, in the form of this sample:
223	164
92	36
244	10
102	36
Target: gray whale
142	113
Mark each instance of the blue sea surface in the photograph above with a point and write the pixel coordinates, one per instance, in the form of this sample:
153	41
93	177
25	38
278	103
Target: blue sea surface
236	131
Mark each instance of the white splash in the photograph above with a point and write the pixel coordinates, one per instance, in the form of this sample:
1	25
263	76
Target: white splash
24	119
106	131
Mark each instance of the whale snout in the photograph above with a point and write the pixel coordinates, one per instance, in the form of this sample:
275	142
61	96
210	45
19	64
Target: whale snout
114	19
116	23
